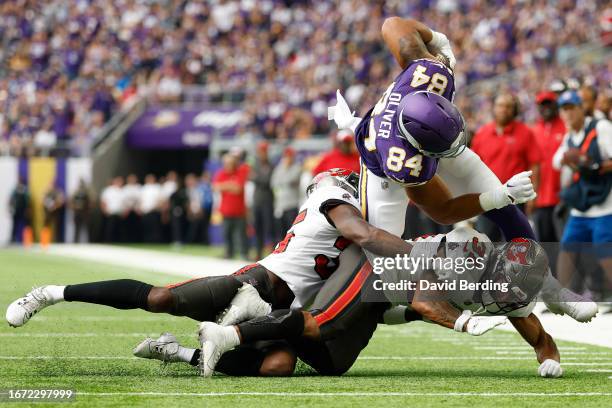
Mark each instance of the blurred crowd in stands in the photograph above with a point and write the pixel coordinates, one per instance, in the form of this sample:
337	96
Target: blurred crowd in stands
68	66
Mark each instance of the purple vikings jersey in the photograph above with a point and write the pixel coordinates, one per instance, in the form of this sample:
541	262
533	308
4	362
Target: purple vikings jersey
381	147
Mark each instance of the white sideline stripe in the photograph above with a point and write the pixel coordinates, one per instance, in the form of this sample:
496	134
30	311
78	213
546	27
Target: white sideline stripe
183	265
347	394
597	370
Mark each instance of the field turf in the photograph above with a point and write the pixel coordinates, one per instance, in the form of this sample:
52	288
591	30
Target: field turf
88	348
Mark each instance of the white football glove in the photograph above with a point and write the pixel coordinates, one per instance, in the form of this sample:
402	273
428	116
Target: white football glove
550	369
477	325
342	115
441	43
517	190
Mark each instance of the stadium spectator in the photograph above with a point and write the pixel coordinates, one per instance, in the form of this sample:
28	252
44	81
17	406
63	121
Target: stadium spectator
81	204
19	207
230	182
111	204
587	151
286	184
548	132
604	103
506	145
588	94
195	214
71	66
206	193
54	203
130	231
150	198
343	155
169	185
178	207
263	200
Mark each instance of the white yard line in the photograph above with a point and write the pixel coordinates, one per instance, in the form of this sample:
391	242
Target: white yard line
606	361
522	347
347	394
609	359
563	353
598	370
102	334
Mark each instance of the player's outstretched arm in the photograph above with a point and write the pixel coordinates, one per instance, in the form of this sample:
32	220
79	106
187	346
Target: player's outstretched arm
352	226
408	40
436	200
546	350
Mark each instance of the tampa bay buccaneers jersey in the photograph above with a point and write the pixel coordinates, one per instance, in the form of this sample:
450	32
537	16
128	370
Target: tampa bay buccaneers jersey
460	243
382	149
310	251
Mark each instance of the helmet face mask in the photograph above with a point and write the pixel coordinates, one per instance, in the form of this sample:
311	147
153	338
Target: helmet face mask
427	118
342	178
522	265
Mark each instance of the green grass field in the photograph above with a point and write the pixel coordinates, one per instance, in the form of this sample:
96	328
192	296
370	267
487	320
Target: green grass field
88	349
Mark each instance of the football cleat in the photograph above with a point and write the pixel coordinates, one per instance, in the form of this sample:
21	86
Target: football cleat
165	349
214	340
246	305
574	305
20	311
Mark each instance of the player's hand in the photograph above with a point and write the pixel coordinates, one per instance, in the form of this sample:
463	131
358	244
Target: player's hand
550	369
479	325
341	114
520	188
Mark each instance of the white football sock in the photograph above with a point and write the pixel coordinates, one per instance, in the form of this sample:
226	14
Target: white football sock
231	335
185	354
55	293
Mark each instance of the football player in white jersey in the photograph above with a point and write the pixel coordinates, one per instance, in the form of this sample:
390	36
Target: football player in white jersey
328	222
343	317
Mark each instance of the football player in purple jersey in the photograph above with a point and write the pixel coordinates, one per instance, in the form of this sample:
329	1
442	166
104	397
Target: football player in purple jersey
412	145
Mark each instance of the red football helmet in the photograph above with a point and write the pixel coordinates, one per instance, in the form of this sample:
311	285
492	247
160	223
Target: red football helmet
342	178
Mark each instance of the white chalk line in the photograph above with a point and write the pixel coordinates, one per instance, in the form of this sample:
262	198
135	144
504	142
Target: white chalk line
601	361
346	394
101	334
522	347
563	353
471	358
55	319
